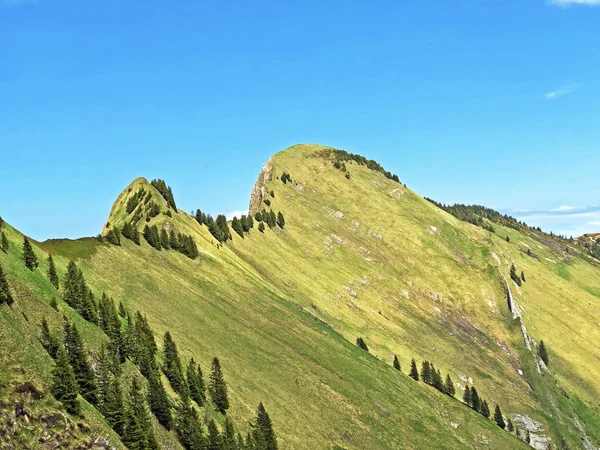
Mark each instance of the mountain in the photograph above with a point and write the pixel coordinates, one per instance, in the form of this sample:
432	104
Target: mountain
358	255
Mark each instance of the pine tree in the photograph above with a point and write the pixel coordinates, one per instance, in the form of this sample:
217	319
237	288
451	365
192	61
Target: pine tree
159	401
195	382
485	409
522	275
362	344
498	417
236	225
467	398
449	386
396	363
228	436
414	373
475	400
244	223
64	386
172	367
47	340
3	242
437	381
264	426
187	425
52	275
138	425
29	257
79	362
122	312
114	236
272	219
426	372
214	441
261	227
218	388
5	295
110	397
164	239
543	353
280	220
509	426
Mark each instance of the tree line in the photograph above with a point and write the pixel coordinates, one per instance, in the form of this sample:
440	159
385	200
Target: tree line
171	240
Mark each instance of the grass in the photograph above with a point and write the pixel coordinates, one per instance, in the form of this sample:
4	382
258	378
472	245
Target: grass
277	310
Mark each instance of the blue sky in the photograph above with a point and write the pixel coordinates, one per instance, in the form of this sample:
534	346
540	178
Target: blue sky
473	101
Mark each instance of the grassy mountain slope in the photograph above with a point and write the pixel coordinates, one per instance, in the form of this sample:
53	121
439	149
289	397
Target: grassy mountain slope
363	256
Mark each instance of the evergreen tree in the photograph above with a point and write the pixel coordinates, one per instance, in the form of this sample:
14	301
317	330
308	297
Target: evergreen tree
437	381
264	427
84	375
152	236
114	236
513	275
172	367
122	312
236	225
261	227
362	344
29	257
426	375
498	417
414	373
280	220
214	441
159	401
52	275
5	295
449	386
228	436
187	425
509	426
3	242
47	340
54	303
543	353
218	388
250	222
523	275
485	409
195	382
138	425
222	224
475	400
396	363
245	224
64	386
467	398
110	396
272	219
173	242
164	239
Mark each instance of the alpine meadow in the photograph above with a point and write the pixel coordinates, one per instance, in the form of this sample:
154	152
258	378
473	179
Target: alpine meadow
342	311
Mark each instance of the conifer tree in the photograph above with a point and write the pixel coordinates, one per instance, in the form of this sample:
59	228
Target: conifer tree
280	220
138	432
414	373
218	388
221	223
54	303
485	409
475	400
84	375
543	352
396	363
122	312
244	223
509	426
250	222
164	239
5	295
228	436
261	227
195	382
467	398
523	275
47	340
187	426
449	386
272	219
236	225
64	386
498	417
214	441
437	381
52	275
110	396
172	367
426	372
362	344
3	242
513	275
264	427
159	401
29	257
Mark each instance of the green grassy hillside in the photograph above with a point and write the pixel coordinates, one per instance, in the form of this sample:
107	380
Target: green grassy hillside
360	255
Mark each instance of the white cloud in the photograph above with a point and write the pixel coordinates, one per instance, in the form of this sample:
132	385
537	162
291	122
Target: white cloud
563	208
238	213
565	3
563	90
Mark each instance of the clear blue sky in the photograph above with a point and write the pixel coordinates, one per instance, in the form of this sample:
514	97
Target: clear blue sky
473	101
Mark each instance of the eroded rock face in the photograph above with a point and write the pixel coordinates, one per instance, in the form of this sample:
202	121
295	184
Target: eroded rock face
259	192
538	439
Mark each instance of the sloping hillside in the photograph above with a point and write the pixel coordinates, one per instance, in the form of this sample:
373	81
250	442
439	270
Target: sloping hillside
360	255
